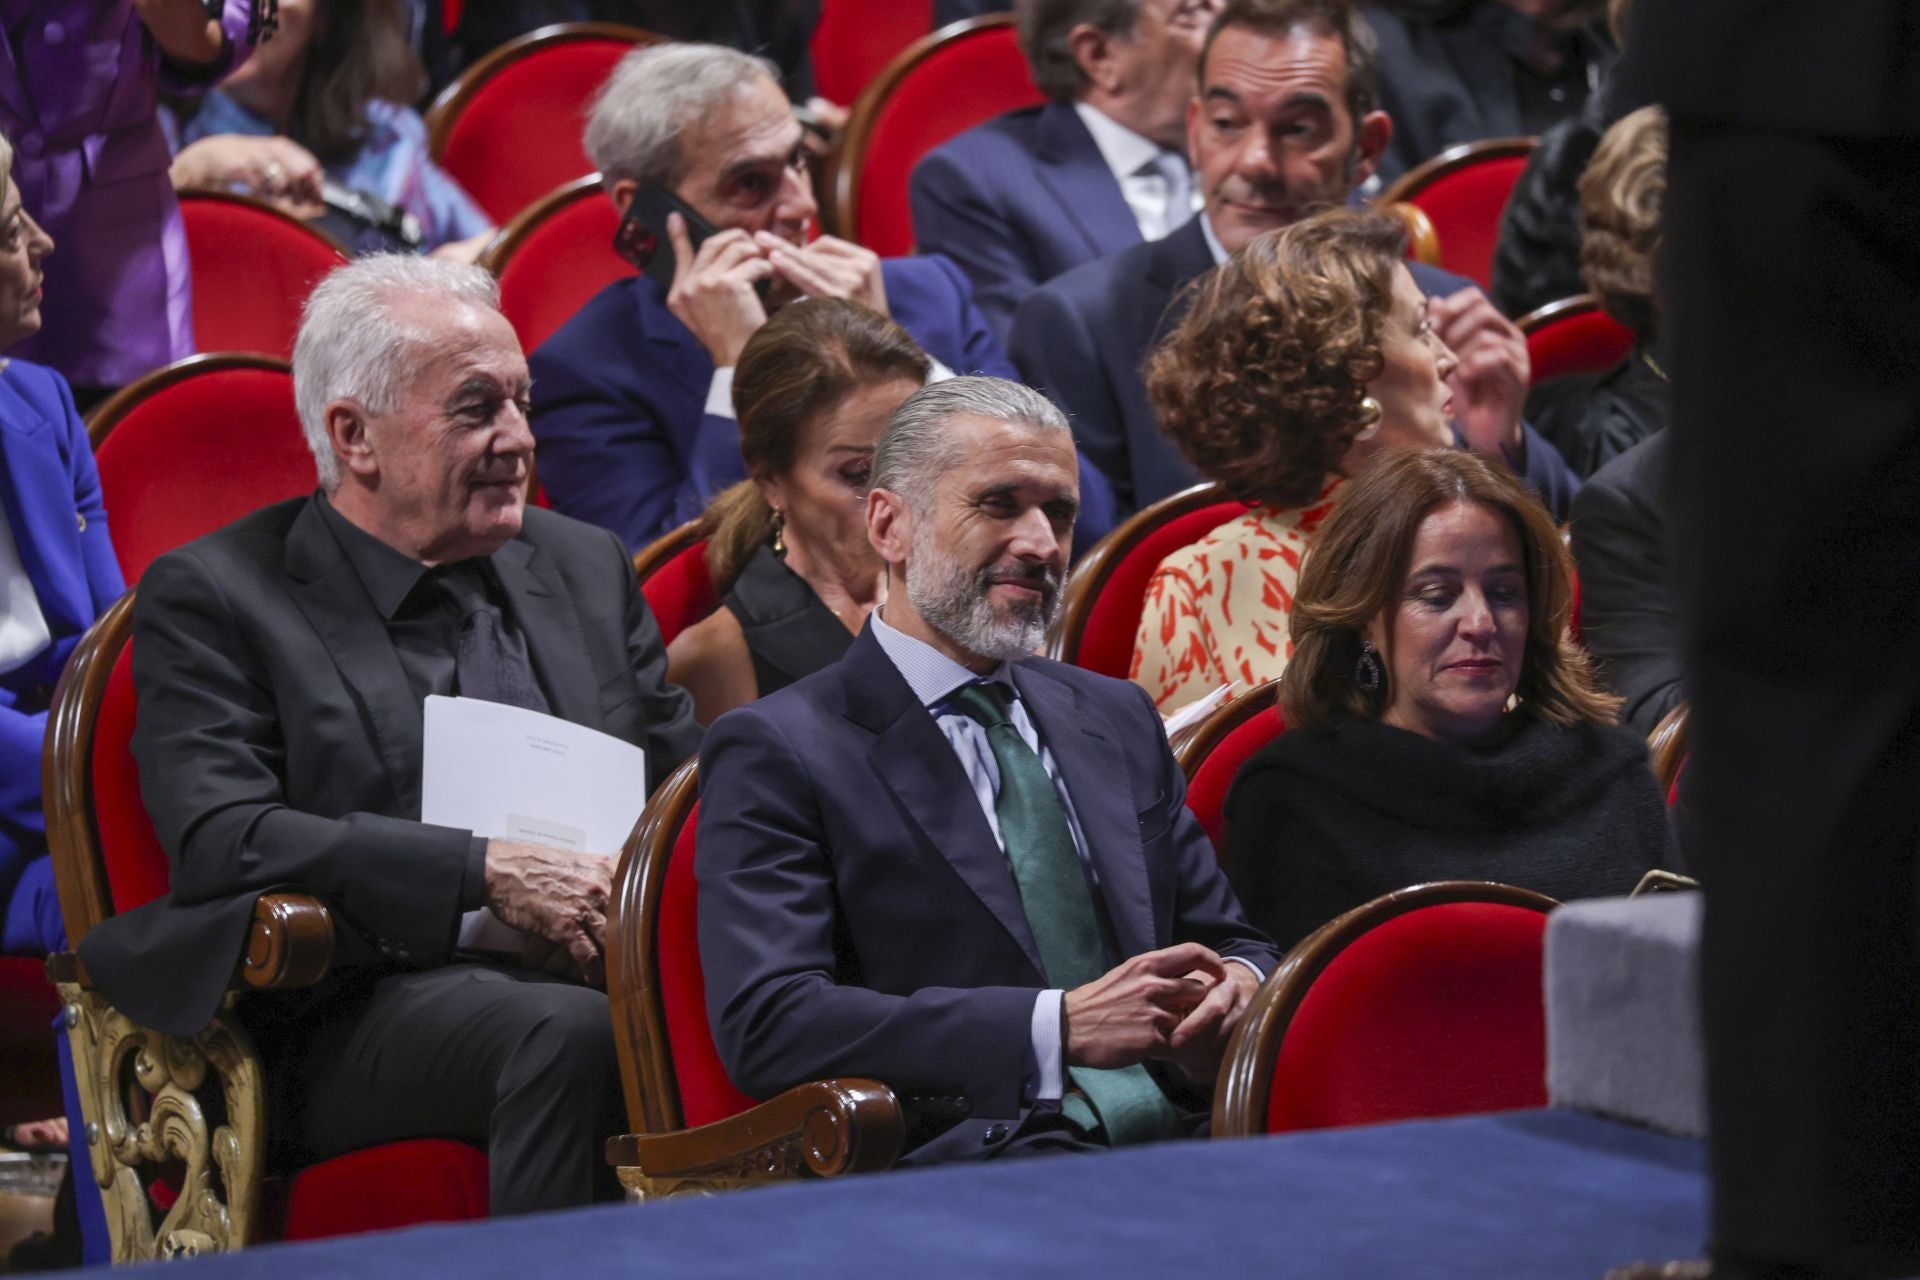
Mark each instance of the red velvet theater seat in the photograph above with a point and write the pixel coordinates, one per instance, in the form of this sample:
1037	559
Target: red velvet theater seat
946	83
195	446
509	128
673	576
554	256
694	1129
1101	604
252	268
1463	191
108	860
856	39
1212	753
1428	1001
1574	335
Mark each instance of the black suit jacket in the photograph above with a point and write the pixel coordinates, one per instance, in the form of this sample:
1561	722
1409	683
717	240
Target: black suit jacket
279	743
857	916
1629	616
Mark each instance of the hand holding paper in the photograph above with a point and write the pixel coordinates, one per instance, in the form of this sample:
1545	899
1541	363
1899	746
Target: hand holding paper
555	895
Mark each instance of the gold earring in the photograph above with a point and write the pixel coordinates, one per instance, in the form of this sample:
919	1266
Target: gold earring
1370	415
779	533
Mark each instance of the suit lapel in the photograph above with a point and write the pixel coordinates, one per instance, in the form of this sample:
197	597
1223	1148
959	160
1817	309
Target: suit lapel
544	612
1073	170
336	604
1095	771
917	764
674	350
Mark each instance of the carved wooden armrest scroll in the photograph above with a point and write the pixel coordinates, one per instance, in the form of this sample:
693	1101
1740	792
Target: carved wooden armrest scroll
823	1130
180	1120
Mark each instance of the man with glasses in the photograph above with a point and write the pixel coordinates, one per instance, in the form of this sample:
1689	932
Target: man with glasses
633	409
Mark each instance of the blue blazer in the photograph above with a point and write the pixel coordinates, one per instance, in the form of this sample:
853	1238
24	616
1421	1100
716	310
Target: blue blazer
1016	201
619	401
1083	338
51	494
858	918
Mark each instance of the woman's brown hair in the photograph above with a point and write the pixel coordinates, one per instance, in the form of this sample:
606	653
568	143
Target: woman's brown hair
1358	562
810	356
1261	383
361	50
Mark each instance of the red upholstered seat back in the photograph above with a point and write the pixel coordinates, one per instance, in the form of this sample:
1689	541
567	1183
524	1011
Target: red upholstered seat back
1207	792
399	1184
198	452
680	592
970	77
559	262
517	136
706	1093
856	39
1579	339
1436	1012
1464	194
1106	642
137	869
252	268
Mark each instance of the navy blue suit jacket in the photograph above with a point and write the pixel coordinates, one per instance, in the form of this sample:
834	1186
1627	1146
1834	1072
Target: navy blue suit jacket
51	494
620	391
1083	338
857	916
1016	201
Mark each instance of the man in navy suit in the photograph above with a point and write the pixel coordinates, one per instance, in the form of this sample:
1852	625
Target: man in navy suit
1103	165
633	405
1285	123
957	868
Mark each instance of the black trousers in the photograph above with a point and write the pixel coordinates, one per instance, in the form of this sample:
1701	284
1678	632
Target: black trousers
521	1062
1792	277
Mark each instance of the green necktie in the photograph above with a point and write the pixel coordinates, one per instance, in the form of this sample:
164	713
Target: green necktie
1059	907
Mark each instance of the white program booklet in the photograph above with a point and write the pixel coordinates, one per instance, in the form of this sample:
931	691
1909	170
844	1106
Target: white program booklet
509	773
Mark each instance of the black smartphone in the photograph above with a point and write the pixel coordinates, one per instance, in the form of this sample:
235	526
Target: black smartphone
642	237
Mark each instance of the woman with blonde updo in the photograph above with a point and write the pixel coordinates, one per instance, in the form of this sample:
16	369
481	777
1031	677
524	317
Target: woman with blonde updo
1302	356
788	548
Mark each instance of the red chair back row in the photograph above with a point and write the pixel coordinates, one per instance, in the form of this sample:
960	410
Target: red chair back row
553	257
508	130
252	268
1574	335
856	39
958	77
673	576
1105	594
1212	752
1464	191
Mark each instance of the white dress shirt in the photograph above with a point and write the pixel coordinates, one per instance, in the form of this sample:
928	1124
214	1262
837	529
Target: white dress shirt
23	628
1141	166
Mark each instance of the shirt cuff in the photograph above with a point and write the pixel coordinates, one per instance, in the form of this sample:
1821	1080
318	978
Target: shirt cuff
720	393
939	372
1258	976
473	880
1046	1047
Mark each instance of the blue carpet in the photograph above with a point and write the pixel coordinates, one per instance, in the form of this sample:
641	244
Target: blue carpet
1539	1195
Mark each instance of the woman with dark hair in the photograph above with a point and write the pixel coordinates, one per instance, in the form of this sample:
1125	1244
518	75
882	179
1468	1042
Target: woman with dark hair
1302	356
1440	724
317	122
788	547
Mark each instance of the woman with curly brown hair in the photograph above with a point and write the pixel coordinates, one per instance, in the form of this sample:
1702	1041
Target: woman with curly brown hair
1440	724
1302	356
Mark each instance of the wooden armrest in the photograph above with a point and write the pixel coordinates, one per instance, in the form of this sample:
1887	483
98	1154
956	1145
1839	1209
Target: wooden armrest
289	943
825	1128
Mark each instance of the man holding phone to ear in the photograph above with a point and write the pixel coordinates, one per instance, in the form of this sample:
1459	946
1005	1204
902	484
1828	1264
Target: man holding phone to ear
633	411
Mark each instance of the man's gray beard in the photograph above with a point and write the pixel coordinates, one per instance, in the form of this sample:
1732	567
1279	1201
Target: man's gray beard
954	602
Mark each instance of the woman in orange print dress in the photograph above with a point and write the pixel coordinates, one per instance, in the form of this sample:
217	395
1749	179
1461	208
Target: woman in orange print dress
1303	355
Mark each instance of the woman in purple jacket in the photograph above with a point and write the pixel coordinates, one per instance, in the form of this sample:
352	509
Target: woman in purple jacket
79	81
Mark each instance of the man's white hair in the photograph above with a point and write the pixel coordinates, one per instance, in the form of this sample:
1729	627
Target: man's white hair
635	123
352	346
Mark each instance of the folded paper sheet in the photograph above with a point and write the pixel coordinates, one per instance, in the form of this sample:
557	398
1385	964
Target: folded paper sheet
508	773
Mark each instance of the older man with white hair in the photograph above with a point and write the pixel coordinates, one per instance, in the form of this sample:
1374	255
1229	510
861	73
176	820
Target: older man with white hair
281	666
958	868
633	404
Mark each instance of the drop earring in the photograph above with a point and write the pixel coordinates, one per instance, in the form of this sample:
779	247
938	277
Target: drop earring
779	533
1367	672
1370	415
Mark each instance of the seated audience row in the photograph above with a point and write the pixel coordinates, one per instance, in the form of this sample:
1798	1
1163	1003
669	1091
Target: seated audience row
1286	123
1440	724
